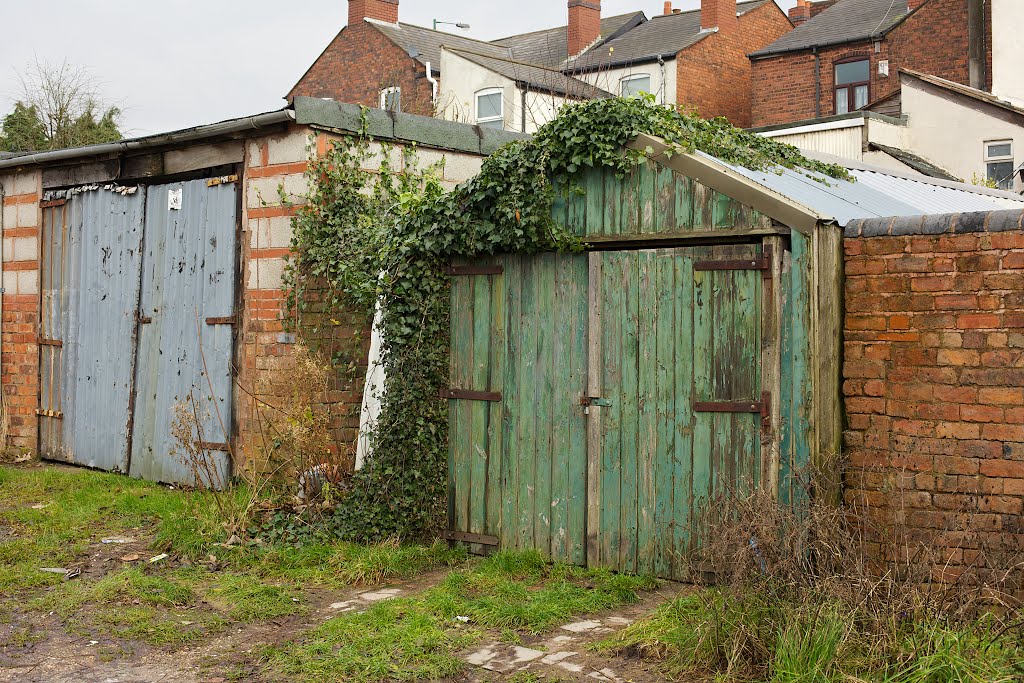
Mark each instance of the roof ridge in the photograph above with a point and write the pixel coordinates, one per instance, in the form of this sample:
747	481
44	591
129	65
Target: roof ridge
443	33
510	61
555	28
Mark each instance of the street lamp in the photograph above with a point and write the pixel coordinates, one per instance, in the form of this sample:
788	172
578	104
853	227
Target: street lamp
450	23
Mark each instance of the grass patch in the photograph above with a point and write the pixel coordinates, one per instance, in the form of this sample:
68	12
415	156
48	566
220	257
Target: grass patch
418	638
247	599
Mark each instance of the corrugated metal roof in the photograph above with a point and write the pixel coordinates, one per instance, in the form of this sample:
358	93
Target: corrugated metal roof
550	47
661	36
877	193
843	22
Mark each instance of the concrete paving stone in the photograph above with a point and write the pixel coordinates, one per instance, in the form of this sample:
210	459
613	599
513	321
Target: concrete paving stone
582	626
377	596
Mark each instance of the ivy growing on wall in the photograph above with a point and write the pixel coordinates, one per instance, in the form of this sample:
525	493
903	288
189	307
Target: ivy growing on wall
382	238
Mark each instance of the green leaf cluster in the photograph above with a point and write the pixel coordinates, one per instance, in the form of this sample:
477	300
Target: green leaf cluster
377	231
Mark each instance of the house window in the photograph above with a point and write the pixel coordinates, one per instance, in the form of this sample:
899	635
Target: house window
853	85
631	86
999	163
490	108
391	99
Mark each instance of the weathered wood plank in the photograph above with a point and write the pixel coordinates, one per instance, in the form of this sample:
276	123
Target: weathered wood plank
511	411
612	203
630	412
479	410
667	297
461	411
648	407
629	197
560	407
593	185
528	402
703	389
612	325
683	377
665	187
647	195
578	463
495	416
546	417
595	384
827	262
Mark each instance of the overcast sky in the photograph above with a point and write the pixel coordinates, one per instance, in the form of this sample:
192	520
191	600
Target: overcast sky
180	63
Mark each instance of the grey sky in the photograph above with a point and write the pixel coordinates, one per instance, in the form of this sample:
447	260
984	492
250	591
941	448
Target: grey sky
186	62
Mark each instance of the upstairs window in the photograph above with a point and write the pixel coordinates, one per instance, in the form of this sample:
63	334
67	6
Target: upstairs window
631	86
490	108
391	99
999	163
853	85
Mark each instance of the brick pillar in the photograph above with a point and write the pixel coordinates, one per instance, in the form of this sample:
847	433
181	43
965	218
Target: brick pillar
720	14
584	24
820	6
381	10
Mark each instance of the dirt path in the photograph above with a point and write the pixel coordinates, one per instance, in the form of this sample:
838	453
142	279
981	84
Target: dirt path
62	658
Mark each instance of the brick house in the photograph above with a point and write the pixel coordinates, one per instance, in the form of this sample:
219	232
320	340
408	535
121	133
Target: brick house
695	58
845	54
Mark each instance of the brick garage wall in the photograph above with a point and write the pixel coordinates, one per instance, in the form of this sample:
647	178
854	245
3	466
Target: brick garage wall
358	64
933	40
19	373
721	58
266	350
934	381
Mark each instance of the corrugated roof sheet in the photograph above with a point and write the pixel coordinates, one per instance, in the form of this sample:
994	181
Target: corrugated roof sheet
843	22
877	193
538	78
550	47
661	36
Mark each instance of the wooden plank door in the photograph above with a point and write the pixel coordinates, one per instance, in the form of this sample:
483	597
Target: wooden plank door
517	429
675	349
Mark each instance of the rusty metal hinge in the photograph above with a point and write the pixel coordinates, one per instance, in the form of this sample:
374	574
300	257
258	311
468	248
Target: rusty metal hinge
474	270
466	537
214	446
762	263
49	342
145	320
225	320
762	407
50	413
466	394
222	180
50	203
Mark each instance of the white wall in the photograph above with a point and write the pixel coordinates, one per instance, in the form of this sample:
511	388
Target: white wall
952	135
663	79
1008	50
847	139
462	79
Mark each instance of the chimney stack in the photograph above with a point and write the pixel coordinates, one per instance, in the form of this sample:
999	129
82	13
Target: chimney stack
820	6
381	10
914	4
668	7
799	13
584	25
720	14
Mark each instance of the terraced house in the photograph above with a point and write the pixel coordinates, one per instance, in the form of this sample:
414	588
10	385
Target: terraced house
696	58
846	54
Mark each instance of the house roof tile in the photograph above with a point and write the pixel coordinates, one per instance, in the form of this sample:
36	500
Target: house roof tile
844	22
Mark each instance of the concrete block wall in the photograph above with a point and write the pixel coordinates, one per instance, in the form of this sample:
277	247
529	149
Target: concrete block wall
19	372
934	383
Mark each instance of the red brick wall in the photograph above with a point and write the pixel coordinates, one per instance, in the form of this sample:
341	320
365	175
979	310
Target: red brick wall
19	374
704	69
934	385
358	64
381	10
933	40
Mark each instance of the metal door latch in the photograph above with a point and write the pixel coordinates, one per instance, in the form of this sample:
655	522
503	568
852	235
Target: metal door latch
588	401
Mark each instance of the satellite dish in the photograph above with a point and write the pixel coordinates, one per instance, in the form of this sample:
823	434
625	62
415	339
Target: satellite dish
413	52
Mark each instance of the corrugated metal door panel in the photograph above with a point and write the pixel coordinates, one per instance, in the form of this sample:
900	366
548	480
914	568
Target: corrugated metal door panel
670	337
183	362
91	255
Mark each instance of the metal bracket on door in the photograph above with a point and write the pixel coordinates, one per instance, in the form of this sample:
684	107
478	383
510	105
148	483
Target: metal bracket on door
762	263
762	407
588	401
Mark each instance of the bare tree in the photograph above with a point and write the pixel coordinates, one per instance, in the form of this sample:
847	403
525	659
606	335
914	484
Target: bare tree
58	106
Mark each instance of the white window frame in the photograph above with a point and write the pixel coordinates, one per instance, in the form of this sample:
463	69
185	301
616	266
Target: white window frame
636	77
393	90
1000	159
476	105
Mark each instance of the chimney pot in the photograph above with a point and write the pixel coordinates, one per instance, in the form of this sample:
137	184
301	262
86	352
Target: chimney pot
381	10
668	7
584	25
720	14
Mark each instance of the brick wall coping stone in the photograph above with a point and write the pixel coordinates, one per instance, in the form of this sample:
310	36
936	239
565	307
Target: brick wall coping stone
937	224
384	125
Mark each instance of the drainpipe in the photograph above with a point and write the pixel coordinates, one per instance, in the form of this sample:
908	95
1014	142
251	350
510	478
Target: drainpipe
817	83
523	93
433	85
976	62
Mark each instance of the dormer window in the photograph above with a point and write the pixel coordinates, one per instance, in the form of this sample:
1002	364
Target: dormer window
391	99
490	108
853	85
631	86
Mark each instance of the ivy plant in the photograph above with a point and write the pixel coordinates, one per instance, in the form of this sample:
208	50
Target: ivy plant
381	237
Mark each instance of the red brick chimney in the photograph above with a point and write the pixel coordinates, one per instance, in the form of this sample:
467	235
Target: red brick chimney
914	4
799	13
720	14
381	10
584	25
820	6
668	7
